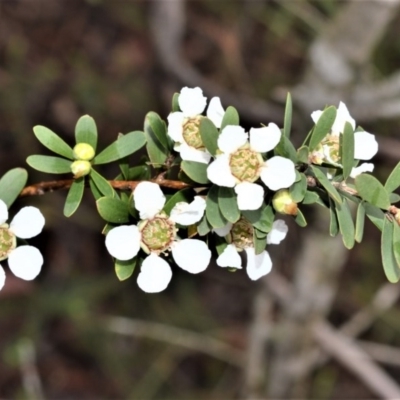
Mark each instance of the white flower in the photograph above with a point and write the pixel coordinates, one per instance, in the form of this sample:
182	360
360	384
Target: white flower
156	234
241	238
365	167
183	126
24	261
241	164
365	144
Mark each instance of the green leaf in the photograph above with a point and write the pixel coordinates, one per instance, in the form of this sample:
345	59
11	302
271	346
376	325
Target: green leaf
302	154
220	245
95	190
298	189
49	164
259	243
390	266
346	224
227	201
157	153
310	197
393	181
300	219
372	191
375	215
396	244
122	147
287	125
74	196
159	129
231	117
102	184
186	195
347	149
333	224
286	149
53	142
196	171
360	219
86	131
262	219
209	135
175	102
124	168
394	198
325	182
113	210
139	173
322	127
124	269
203	227
11	185
213	212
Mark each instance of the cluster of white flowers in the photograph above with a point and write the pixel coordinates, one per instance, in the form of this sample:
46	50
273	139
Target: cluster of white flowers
24	261
365	144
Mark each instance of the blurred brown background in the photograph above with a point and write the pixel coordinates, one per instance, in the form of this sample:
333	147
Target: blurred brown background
325	324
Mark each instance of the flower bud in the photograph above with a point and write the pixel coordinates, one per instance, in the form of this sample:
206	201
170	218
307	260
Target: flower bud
80	168
84	152
283	203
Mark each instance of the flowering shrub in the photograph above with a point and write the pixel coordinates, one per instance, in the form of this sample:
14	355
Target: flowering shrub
207	189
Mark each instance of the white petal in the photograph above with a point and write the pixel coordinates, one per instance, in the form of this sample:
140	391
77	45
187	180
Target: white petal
224	230
25	262
155	274
149	199
278	173
365	167
192	255
192	102
215	111
231	138
123	242
175	126
316	115
257	265
342	116
266	138
365	145
230	258
189	153
219	172
3	212
2	277
28	223
187	214
250	196
278	232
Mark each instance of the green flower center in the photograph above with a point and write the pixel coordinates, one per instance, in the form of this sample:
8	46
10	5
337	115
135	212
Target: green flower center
245	164
191	132
8	242
157	234
242	234
332	141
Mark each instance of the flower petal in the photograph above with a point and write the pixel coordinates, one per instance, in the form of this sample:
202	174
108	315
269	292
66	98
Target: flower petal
3	212
365	145
224	230
27	223
231	138
155	274
342	116
365	167
123	242
230	258
2	277
278	173
149	199
250	196
192	255
215	111
219	172
191	101
315	115
187	214
278	232
257	265
25	262
189	153
265	138
175	126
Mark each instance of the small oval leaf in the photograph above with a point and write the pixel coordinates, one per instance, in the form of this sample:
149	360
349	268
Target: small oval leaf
74	196
372	191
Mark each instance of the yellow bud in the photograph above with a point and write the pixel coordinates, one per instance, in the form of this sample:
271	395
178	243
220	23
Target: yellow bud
283	203
80	168
84	152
